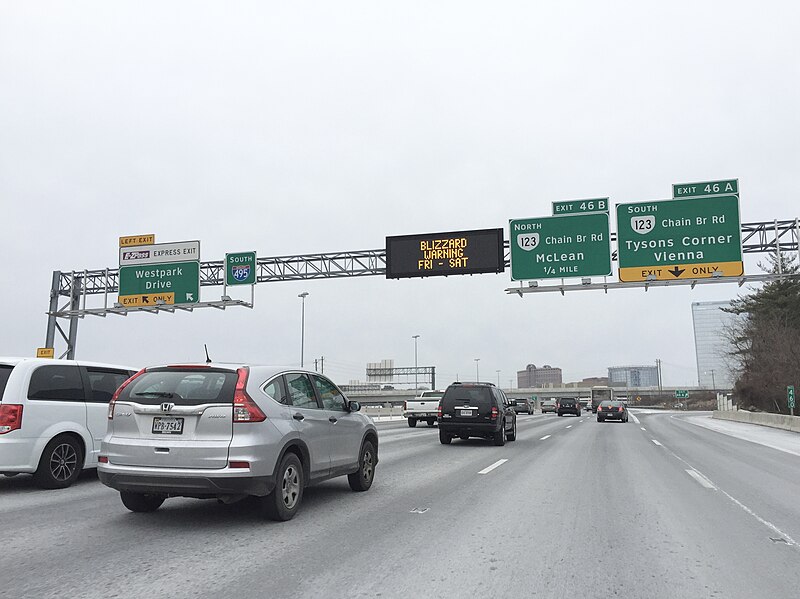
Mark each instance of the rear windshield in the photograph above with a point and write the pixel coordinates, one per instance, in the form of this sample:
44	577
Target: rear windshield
610	403
431	394
480	397
568	400
5	372
188	387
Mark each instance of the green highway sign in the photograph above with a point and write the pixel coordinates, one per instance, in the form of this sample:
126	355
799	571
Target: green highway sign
553	247
240	268
679	239
173	282
790	395
706	188
679	394
580	206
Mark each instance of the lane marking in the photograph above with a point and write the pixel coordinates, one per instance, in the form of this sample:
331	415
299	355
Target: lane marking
488	469
545	437
635	419
657	443
643	428
786	538
570	426
700	478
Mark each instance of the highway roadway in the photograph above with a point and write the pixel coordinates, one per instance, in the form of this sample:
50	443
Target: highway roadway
659	508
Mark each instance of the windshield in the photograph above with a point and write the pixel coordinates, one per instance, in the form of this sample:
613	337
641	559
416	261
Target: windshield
181	387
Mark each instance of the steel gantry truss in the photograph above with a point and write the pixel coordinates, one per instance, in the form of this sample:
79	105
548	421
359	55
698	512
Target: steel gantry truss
71	289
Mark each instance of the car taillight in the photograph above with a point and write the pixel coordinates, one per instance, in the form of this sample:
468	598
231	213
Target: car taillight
10	417
238	464
494	412
119	390
619	409
244	408
103	459
439	410
405	406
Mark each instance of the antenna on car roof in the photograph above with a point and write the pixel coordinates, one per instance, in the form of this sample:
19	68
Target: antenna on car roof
208	359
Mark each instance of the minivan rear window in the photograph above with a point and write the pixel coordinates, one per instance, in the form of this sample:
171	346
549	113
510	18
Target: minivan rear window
189	387
480	397
57	382
5	372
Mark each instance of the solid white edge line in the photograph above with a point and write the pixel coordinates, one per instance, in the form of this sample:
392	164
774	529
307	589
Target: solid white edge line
643	428
488	469
635	419
545	437
657	443
700	478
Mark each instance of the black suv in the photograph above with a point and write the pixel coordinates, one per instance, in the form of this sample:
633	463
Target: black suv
569	405
476	410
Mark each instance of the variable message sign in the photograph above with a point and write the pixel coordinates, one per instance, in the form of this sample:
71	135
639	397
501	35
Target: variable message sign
679	239
442	254
240	268
167	273
580	206
560	246
706	188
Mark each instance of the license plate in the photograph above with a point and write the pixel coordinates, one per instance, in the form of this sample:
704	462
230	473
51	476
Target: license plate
466	412
167	426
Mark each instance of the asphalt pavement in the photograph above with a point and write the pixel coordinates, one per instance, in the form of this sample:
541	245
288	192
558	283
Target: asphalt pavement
659	508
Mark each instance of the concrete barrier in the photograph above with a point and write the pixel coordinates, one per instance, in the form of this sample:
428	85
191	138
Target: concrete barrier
781	421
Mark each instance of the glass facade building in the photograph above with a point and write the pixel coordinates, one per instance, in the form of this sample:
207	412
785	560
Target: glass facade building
712	347
633	376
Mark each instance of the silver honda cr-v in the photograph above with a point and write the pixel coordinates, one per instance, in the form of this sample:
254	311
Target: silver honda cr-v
226	432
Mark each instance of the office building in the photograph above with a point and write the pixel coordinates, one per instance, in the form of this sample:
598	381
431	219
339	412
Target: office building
712	347
633	376
538	377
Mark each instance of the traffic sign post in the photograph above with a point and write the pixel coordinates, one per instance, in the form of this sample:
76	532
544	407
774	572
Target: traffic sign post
679	239
681	394
706	188
240	269
553	247
790	398
580	206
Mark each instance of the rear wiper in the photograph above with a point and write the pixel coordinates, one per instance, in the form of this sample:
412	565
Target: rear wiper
156	394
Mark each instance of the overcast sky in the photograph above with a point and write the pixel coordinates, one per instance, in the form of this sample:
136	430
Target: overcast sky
305	127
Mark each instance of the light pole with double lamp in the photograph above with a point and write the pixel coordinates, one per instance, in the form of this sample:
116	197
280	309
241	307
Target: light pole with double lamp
477	371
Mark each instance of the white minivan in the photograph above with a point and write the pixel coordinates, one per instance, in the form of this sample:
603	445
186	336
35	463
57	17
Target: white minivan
53	416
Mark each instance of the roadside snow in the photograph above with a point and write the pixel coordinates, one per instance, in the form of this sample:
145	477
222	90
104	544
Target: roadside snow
785	441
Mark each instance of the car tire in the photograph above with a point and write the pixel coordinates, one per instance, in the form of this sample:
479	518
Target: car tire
599	419
412	422
284	501
444	438
513	435
141	502
431	421
61	463
499	438
361	480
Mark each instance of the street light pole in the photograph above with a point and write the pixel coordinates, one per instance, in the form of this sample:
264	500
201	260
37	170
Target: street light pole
477	371
498	378
416	383
303	297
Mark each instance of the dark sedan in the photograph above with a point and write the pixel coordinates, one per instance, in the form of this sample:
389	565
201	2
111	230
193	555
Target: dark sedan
612	410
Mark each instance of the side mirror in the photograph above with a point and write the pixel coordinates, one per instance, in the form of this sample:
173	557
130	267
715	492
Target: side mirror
353	406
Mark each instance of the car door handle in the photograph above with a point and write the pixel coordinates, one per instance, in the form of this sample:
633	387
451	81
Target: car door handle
333	419
298	416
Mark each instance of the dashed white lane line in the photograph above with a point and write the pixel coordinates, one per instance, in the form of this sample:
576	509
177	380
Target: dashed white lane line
643	428
700	478
545	437
657	443
488	469
635	419
570	426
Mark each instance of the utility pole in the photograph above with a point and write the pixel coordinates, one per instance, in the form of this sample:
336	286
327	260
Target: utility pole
660	387
477	371
416	382
322	364
303	297
498	378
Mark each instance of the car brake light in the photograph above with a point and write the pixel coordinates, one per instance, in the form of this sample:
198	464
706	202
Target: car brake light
10	417
244	408
405	406
103	459
494	412
439	411
619	409
117	393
